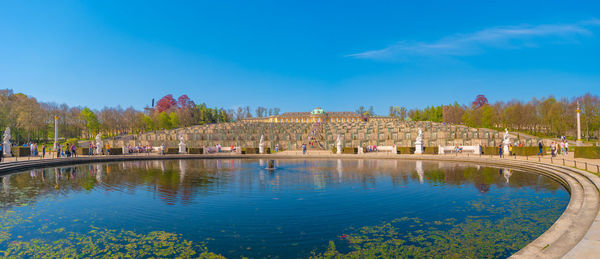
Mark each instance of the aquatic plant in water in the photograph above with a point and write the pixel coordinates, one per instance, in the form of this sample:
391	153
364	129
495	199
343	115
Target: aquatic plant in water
97	242
499	232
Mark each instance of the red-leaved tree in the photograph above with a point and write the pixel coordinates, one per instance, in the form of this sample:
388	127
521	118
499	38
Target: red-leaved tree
184	101
165	103
479	102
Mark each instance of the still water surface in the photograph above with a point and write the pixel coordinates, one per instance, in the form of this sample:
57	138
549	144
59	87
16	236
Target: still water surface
304	208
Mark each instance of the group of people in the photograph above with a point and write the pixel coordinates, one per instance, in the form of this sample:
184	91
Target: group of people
66	150
369	148
93	147
138	149
560	148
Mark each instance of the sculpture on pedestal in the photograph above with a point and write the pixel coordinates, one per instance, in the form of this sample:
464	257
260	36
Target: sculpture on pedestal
419	142
182	145
261	145
99	144
6	143
505	142
338	144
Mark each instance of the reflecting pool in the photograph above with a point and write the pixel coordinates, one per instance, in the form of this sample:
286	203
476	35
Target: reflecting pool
303	208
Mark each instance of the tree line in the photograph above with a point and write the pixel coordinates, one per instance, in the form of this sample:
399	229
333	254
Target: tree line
549	116
33	121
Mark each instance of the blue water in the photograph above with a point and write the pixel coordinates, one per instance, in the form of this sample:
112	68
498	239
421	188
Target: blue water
238	208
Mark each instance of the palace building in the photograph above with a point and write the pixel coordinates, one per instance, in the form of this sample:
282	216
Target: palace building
317	115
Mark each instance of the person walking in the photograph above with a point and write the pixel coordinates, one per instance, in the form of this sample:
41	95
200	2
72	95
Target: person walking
567	147
500	150
43	150
91	149
1	152
562	148
541	147
74	150
58	151
303	149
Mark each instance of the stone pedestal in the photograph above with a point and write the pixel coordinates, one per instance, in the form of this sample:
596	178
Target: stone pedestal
6	150
418	148
98	148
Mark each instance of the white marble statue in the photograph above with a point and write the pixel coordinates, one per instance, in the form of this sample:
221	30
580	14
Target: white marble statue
338	144
505	143
99	144
261	145
182	145
6	142
419	140
419	143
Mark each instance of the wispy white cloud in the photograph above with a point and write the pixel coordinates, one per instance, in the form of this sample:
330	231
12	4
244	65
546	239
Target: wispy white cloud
508	37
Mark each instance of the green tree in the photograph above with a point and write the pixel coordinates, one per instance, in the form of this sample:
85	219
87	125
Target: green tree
91	121
164	121
174	120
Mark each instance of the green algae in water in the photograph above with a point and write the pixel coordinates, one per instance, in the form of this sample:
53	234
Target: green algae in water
475	237
97	242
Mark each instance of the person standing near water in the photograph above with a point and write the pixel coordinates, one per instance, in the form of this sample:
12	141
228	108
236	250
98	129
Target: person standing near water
500	151
303	149
43	150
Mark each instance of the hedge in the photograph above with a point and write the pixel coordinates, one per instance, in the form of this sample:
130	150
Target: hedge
431	150
172	150
350	150
525	151
115	151
195	150
346	150
254	150
587	152
20	151
405	150
490	150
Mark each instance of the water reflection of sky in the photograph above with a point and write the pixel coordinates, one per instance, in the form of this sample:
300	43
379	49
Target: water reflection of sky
245	209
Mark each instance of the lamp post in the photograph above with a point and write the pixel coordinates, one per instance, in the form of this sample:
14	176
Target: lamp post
579	143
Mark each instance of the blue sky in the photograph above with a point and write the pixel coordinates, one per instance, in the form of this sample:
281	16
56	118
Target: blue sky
297	55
